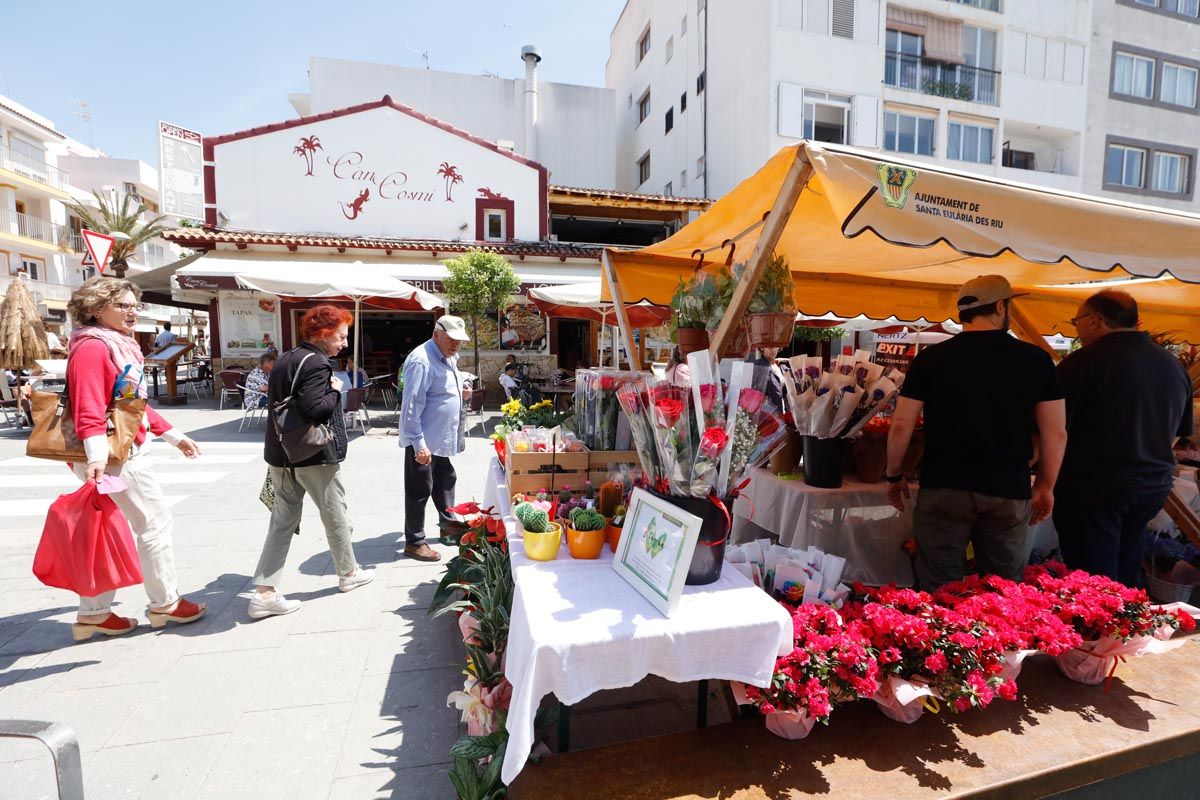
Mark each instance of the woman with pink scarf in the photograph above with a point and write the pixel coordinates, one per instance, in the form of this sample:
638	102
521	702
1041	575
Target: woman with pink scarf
105	364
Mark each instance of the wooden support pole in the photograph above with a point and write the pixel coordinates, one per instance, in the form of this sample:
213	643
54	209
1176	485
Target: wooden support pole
619	307
1028	331
793	184
1184	517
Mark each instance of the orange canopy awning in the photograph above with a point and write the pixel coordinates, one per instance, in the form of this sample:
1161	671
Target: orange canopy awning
883	237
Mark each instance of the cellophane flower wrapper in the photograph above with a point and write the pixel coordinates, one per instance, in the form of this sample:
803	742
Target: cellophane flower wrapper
585	398
634	397
1093	662
706	390
707	465
902	700
608	408
745	408
670	408
872	402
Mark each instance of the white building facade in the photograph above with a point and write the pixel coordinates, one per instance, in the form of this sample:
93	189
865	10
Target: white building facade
708	90
1143	116
555	124
43	171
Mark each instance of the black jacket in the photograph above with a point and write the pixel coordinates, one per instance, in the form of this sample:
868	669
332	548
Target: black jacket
316	400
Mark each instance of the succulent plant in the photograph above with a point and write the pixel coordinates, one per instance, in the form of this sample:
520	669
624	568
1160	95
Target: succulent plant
610	497
532	519
564	494
590	491
619	515
587	519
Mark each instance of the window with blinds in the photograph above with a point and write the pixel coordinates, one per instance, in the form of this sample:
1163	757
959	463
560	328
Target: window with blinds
842	18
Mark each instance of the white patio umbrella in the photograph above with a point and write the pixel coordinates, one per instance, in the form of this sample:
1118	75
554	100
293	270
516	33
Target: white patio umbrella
374	283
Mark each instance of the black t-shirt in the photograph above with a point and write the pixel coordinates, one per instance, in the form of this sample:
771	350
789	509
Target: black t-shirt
1127	399
980	390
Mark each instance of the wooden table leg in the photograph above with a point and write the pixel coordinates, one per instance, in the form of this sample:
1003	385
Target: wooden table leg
564	728
702	704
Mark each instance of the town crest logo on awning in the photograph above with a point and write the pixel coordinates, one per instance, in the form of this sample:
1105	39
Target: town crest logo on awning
895	182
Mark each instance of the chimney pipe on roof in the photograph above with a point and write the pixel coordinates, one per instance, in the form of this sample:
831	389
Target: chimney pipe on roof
531	56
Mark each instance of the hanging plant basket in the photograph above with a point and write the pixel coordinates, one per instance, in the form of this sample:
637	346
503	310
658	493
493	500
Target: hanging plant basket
770	330
691	340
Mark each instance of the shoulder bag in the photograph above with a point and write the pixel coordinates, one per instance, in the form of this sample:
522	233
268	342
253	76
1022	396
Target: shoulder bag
299	438
53	435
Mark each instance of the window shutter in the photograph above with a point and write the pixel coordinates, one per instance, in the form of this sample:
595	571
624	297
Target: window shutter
791	110
864	121
842	12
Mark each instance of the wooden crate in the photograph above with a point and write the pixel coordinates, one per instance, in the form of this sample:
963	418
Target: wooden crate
529	483
526	463
602	459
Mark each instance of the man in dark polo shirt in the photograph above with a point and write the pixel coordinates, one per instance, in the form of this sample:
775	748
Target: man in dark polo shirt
1127	401
985	395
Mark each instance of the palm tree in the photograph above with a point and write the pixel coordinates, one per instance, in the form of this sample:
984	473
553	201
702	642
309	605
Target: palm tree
452	176
111	219
306	148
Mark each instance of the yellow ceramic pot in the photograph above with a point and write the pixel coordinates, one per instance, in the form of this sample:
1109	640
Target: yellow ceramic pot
542	546
585	544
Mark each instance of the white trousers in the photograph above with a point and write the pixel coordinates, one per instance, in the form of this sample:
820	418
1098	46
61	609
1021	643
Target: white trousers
146	510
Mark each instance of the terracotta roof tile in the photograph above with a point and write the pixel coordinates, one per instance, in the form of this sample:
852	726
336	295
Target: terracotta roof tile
206	238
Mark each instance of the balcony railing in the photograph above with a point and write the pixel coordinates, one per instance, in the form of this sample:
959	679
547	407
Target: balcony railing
986	5
40	229
41	290
33	168
956	81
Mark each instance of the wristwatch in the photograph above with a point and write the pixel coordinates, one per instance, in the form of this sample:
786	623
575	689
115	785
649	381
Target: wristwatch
893	478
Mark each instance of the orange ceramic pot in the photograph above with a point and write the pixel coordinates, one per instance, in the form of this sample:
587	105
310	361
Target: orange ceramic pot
613	534
585	544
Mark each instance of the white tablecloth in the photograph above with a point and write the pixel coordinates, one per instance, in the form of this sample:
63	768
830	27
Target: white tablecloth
854	521
577	627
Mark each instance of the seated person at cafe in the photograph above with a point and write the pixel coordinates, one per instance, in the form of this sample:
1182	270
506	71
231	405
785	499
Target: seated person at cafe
508	379
256	382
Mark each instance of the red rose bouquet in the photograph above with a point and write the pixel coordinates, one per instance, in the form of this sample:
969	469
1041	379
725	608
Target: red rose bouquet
672	420
634	397
708	460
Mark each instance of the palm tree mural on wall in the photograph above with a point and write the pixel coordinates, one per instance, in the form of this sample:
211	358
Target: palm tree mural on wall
306	148
452	176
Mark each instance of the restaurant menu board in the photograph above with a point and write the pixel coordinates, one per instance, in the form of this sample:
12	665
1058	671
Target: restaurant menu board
181	171
656	548
247	327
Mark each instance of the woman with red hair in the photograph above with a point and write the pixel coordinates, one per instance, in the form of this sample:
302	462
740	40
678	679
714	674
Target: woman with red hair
304	377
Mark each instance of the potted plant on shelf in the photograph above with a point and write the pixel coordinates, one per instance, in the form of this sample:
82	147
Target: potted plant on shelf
585	533
541	536
692	307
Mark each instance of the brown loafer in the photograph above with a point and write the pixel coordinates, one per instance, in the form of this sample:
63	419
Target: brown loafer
422	552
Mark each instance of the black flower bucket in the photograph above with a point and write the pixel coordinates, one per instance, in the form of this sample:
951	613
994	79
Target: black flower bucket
709	555
824	461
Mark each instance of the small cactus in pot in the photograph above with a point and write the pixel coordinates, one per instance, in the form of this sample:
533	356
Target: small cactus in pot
587	519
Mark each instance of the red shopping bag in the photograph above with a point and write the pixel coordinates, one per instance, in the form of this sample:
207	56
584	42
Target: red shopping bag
86	545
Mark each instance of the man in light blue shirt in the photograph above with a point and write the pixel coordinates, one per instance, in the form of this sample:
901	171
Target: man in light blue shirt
431	431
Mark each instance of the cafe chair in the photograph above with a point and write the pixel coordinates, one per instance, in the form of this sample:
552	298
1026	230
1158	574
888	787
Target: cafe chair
356	409
255	411
9	405
230	380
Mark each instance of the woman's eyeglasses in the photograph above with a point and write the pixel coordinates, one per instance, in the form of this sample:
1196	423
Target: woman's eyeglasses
125	308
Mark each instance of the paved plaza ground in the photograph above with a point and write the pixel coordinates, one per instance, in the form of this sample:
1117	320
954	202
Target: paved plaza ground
343	700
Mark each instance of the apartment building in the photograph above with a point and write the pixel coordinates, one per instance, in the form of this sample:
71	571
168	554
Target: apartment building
43	171
1143	118
707	90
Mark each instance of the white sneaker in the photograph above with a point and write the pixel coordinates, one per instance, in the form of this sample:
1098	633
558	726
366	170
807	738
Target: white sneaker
360	577
274	605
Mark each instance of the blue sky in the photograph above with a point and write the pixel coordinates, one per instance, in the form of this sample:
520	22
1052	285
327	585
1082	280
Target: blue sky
222	65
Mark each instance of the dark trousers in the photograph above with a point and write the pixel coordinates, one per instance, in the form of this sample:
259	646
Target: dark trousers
1105	536
435	479
946	520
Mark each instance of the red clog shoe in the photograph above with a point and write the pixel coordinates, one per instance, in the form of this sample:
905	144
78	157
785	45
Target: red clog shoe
185	611
111	626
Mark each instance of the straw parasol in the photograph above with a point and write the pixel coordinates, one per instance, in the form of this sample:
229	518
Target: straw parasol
22	335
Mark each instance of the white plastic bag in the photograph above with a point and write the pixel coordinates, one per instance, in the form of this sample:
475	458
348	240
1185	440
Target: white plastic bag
790	724
1096	661
903	701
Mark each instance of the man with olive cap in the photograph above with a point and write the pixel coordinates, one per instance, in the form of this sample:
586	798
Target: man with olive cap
431	431
985	395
